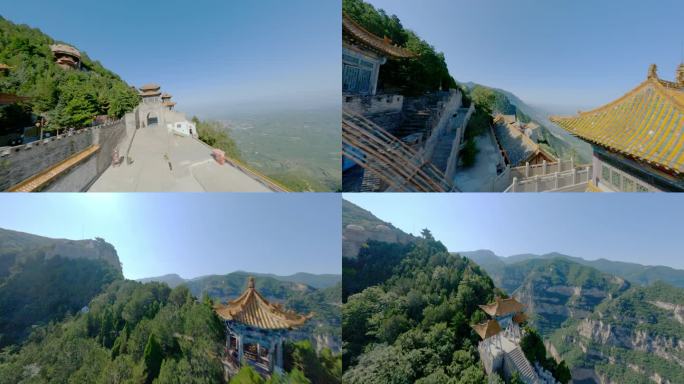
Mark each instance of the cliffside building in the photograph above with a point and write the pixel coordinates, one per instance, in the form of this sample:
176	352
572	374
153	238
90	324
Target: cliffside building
500	350
255	330
362	55
66	56
638	139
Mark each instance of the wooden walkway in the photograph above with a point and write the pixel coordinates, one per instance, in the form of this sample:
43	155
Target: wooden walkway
37	182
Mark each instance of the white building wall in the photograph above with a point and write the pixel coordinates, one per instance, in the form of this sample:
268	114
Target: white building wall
183	128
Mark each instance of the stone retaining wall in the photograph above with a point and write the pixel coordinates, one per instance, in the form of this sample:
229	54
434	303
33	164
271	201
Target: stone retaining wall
24	161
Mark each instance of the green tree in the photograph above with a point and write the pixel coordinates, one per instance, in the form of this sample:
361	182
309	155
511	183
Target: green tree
533	346
562	373
515	379
152	359
247	375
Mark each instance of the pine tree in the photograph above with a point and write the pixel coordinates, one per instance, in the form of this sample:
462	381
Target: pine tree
153	358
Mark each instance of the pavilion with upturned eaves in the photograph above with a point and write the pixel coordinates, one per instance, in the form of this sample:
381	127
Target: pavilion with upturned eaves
500	350
255	330
638	139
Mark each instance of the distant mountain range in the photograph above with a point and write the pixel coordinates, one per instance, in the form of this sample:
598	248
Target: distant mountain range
317	281
296	292
499	269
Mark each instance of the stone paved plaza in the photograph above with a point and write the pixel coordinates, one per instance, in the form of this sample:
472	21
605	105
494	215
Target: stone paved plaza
163	161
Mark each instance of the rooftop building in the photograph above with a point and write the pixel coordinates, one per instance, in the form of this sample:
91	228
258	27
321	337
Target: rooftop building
500	350
362	55
638	139
256	329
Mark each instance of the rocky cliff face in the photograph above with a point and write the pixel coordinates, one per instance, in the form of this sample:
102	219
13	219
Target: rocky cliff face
360	226
97	249
637	336
17	246
670	348
356	236
557	290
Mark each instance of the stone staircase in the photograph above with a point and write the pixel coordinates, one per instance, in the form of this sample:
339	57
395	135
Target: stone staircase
416	114
440	156
523	366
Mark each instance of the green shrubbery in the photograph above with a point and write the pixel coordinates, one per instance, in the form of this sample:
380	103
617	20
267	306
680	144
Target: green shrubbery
535	351
41	290
217	136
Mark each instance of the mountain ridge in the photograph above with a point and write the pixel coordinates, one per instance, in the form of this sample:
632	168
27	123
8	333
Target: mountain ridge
318	281
634	272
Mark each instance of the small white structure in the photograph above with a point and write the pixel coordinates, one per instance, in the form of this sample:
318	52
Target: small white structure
183	128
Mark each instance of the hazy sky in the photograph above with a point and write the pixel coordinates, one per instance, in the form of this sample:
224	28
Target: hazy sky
641	228
192	234
208	54
563	54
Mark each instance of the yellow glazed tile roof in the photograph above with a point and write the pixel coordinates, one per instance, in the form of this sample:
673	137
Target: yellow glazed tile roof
353	29
487	329
502	307
254	310
647	124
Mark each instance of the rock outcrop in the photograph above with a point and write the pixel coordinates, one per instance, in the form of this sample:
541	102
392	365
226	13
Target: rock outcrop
360	226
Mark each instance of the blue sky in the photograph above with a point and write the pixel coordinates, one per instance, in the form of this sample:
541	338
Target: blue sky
640	228
209	54
192	234
562	55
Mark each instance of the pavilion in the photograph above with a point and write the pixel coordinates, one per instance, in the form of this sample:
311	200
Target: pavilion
638	139
256	329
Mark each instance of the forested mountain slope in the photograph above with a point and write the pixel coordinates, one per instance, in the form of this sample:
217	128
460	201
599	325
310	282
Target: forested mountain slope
67	98
43	279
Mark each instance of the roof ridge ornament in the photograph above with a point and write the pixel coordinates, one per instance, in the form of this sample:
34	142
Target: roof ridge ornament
679	76
652	71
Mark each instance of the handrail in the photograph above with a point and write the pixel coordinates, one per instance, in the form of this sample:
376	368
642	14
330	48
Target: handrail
383	154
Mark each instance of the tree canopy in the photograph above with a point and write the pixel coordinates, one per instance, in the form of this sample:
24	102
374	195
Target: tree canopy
414	325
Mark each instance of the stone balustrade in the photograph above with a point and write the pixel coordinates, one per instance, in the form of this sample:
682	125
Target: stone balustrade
567	180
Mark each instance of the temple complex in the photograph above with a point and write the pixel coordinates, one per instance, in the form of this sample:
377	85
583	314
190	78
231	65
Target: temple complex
519	142
157	109
638	139
66	56
255	330
500	350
